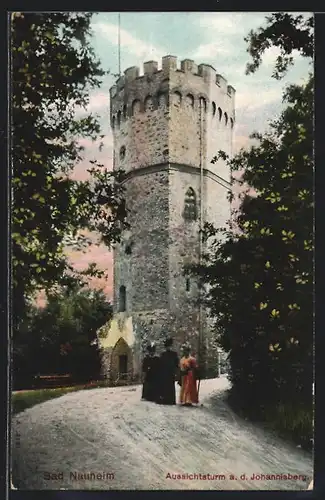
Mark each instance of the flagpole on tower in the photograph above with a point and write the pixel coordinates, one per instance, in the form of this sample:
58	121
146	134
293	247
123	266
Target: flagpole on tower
119	44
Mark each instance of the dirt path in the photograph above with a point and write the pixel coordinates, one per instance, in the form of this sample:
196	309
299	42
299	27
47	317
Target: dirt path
146	446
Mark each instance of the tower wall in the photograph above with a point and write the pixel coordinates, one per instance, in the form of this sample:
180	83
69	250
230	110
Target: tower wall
167	125
184	250
144	271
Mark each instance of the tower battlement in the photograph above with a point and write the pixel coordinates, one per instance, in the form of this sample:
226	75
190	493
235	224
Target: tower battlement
168	65
174	114
188	79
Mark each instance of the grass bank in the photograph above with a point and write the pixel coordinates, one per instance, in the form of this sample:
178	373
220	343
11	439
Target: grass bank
21	400
291	422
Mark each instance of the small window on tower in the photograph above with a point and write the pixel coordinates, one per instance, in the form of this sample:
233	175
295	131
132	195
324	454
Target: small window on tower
136	107
189	100
203	104
122	299
128	248
122	153
176	99
190	207
188	284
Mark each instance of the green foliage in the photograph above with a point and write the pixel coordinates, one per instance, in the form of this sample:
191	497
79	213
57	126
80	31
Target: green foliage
27	399
22	400
288	33
59	338
53	69
293	421
260	275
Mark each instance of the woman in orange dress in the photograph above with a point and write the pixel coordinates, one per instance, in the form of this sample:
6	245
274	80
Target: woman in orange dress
189	375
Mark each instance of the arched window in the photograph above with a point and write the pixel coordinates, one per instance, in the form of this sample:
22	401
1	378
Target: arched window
189	99
214	108
177	99
135	107
164	84
128	248
122	153
162	100
220	113
122	299
148	103
231	122
124	112
203	103
118	119
113	122
190	208
226	118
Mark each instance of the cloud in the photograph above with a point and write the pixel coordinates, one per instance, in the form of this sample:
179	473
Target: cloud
235	23
92	152
208	51
228	24
134	46
107	141
241	141
99	102
247	100
104	260
80	172
220	33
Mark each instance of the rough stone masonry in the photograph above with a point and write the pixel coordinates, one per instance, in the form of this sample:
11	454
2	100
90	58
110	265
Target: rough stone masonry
167	125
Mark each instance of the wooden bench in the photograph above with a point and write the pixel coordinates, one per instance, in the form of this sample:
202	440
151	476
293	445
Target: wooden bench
52	380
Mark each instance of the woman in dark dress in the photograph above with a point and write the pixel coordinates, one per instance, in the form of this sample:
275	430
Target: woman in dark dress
150	371
168	368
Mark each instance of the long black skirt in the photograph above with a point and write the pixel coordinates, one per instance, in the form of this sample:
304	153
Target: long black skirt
149	389
167	392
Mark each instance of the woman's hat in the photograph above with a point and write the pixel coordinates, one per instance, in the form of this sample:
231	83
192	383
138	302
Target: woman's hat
168	342
186	346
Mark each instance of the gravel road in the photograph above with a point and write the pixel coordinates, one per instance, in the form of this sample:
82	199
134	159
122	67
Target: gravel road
108	439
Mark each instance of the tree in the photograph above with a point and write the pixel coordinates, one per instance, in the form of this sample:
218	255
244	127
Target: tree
59	337
287	32
53	69
260	275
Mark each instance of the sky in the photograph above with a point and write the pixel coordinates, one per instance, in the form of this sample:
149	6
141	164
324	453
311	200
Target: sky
213	38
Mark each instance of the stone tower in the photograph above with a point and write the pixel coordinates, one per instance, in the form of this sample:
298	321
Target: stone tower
168	124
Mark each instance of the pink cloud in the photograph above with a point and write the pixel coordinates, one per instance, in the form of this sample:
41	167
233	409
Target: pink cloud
90	145
241	141
92	152
99	254
98	102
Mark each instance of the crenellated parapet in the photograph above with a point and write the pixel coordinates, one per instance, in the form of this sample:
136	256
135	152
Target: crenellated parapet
197	86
